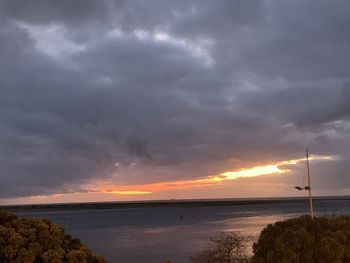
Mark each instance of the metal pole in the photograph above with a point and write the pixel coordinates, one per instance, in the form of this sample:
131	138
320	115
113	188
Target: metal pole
309	185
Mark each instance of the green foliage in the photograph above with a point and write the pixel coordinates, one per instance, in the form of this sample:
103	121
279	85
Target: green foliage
224	248
39	241
318	240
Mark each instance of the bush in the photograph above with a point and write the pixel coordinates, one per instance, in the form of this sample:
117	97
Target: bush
224	248
39	241
306	240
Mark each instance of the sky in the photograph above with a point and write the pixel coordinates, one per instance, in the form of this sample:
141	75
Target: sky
143	100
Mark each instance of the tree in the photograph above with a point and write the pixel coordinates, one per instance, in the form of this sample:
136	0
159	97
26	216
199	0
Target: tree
303	239
224	248
38	240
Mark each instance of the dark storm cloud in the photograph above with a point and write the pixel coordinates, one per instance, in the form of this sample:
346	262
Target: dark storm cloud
147	91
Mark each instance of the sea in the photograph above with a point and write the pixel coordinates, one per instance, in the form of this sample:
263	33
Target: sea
173	230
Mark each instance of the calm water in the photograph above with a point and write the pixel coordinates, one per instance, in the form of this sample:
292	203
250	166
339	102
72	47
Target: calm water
153	234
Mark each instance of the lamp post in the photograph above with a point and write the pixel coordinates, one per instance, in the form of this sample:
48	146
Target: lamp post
308	187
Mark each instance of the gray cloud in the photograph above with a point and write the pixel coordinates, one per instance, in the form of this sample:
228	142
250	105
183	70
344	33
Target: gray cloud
167	90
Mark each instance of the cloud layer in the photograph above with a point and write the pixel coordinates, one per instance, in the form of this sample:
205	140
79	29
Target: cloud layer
142	92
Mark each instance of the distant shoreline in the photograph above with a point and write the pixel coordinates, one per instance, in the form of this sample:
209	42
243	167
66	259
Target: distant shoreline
164	203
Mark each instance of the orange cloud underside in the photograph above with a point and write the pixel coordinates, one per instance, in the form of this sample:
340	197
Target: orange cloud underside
270	169
155	187
127	192
106	188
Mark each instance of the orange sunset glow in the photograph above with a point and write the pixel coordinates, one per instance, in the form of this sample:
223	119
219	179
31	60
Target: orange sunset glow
269	169
109	190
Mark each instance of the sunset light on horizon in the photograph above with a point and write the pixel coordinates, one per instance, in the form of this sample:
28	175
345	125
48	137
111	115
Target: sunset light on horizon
107	189
270	169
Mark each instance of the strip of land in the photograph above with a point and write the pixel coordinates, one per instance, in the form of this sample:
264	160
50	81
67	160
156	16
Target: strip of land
164	203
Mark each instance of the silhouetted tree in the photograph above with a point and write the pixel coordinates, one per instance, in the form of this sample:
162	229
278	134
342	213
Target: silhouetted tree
38	240
224	248
303	239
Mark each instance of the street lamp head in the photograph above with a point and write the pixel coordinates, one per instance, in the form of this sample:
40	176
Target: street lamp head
299	188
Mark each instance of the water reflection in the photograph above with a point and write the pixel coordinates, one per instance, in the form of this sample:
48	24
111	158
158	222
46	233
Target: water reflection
252	226
177	242
142	235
